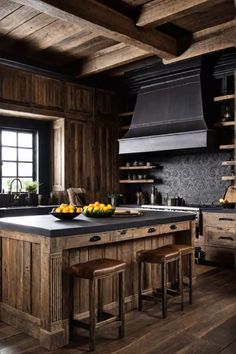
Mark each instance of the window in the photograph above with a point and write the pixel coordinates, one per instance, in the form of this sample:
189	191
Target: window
18	158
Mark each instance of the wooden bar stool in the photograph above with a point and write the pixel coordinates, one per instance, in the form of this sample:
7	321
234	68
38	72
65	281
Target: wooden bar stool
186	251
162	256
95	271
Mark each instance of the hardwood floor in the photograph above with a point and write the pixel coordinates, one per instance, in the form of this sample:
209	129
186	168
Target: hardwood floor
207	326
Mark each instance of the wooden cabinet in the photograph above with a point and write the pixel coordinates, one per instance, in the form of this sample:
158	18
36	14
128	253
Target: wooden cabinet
219	231
15	86
47	93
79	99
79	156
104	103
105	158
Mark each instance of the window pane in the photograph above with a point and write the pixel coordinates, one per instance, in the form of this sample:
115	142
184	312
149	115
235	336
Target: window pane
8	138
9	153
9	169
25	139
25	154
6	184
25	180
25	169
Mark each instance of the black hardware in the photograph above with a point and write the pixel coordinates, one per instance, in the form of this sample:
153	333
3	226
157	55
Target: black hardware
152	229
226	238
95	238
226	219
173	227
123	232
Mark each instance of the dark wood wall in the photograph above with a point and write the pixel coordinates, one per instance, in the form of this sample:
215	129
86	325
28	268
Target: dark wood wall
83	137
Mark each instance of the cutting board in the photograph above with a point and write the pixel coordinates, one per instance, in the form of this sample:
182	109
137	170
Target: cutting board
230	194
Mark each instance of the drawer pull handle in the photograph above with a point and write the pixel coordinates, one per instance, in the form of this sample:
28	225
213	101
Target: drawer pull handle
152	229
123	232
226	219
173	227
95	238
226	238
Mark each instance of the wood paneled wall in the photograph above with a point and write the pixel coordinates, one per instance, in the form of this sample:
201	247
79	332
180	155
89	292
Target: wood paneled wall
84	130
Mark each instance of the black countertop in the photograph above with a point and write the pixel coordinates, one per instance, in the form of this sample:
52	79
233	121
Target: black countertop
25	210
48	225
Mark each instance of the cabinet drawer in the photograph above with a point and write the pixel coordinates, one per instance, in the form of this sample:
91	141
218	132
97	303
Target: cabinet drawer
120	235
224	220
147	231
221	255
219	236
174	227
88	240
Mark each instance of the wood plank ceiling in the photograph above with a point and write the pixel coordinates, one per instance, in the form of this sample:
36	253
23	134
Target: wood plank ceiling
88	37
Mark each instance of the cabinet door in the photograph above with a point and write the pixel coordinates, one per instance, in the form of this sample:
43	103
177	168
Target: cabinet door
106	150
15	85
104	103
79	99
47	93
79	156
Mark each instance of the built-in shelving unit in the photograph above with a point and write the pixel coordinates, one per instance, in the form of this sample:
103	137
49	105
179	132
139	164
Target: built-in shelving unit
224	98
226	109
136	180
137	167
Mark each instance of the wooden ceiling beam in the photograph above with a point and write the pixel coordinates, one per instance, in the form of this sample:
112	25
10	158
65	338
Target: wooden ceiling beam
157	12
210	40
109	58
109	23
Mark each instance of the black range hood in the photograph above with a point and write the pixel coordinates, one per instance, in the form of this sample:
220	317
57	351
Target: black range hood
169	115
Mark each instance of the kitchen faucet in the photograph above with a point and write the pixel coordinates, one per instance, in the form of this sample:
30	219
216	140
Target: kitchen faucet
15	179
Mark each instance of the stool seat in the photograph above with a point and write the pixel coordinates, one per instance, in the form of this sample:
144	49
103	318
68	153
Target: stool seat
158	255
181	248
97	268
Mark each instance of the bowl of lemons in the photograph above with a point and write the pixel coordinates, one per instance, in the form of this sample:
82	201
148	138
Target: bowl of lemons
66	211
98	210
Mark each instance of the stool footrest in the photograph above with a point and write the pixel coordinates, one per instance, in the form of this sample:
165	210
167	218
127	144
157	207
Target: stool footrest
105	318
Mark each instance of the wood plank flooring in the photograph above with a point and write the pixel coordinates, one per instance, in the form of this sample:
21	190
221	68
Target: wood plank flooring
208	326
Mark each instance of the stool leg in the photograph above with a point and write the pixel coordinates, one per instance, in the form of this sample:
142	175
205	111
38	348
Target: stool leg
121	304
190	278
100	300
140	304
164	290
71	306
92	315
181	290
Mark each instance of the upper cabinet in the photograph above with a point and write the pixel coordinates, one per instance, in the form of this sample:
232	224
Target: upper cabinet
47	93
79	99
15	86
104	103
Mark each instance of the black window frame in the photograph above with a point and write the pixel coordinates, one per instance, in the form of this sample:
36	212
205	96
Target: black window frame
34	149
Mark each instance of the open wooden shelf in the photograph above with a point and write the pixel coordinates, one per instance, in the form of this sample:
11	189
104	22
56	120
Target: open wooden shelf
224	98
229	163
228	178
137	167
124	127
228	147
125	114
136	181
230	123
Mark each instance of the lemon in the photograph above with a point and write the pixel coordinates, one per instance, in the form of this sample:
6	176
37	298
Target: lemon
109	206
78	210
102	205
91	205
96	208
58	210
96	204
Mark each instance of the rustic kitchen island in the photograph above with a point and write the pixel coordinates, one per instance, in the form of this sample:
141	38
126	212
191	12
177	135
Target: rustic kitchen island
37	250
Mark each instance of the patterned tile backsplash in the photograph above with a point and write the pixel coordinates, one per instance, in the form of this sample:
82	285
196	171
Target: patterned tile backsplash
196	178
